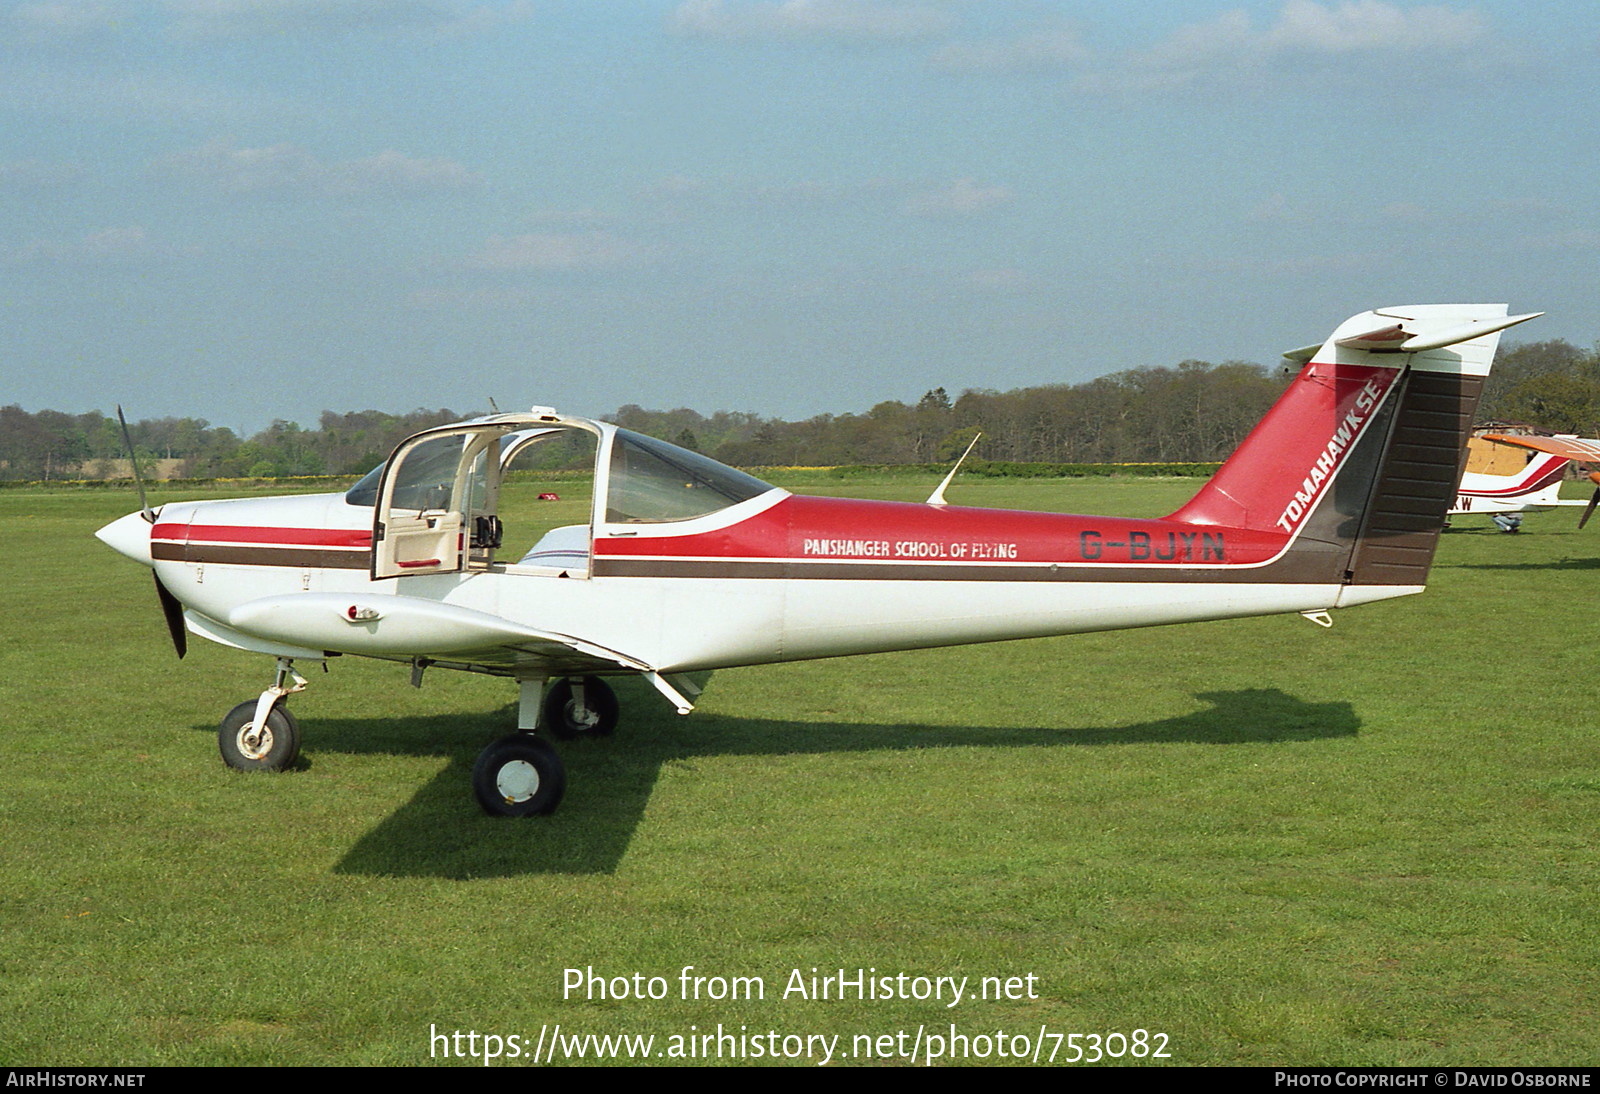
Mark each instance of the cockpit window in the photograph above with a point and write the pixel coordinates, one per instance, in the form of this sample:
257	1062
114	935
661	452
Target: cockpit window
426	479
655	482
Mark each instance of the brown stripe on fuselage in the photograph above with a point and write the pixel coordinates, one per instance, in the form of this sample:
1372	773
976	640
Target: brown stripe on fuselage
912	571
302	557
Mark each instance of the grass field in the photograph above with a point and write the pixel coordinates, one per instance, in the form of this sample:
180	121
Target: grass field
1270	842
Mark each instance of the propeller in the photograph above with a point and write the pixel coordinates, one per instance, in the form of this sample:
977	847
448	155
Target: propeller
133	461
174	614
1588	511
171	609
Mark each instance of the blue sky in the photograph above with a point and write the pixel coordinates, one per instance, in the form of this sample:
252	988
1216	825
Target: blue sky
249	209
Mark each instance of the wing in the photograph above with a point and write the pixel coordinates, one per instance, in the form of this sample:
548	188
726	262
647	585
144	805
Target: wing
405	627
1578	449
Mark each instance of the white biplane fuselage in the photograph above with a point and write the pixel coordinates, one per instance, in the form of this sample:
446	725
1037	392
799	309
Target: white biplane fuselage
686	565
1504	498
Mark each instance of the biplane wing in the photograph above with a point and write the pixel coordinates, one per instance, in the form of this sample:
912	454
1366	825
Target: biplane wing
1576	449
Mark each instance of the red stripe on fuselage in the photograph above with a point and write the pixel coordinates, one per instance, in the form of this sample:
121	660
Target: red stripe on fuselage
844	530
285	537
1546	475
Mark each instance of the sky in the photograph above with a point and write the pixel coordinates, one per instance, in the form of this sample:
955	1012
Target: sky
245	210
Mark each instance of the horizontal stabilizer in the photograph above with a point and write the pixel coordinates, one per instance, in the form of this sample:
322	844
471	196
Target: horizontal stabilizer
1460	332
1414	334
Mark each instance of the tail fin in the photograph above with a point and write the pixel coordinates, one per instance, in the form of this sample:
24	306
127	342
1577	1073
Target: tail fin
1359	460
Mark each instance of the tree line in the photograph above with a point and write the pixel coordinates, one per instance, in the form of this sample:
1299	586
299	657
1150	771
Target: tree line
1193	412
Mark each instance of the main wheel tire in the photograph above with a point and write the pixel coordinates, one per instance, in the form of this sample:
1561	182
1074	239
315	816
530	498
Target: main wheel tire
275	748
559	713
519	776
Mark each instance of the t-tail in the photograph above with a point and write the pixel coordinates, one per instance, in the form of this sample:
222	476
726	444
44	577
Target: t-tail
1359	460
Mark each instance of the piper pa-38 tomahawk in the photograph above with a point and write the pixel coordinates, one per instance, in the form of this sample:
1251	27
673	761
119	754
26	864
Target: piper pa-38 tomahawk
1335	499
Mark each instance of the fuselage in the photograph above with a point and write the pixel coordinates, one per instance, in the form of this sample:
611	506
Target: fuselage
777	577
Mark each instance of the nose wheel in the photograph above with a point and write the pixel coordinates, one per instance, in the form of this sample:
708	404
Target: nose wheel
519	776
272	746
261	735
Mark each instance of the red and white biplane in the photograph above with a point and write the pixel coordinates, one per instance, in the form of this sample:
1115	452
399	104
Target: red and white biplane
684	565
1565	449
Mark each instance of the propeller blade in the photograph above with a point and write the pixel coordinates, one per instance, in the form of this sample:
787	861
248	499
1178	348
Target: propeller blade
138	479
1588	510
174	613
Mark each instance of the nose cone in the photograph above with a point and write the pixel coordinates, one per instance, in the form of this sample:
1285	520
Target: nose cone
129	535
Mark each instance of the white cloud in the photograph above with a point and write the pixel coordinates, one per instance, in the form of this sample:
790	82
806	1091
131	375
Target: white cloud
1234	44
64	20
147	96
131	244
1573	239
857	20
1046	49
1307	31
998	279
963	197
1275	207
263	18
556	251
289	169
36	174
1408	212
1370	24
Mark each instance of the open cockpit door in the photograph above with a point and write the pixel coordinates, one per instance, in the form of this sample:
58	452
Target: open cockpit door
437	502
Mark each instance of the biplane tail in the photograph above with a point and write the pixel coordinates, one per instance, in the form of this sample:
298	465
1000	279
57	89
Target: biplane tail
1359	459
1537	485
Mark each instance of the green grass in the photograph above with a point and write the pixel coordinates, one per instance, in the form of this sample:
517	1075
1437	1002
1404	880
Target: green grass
1274	843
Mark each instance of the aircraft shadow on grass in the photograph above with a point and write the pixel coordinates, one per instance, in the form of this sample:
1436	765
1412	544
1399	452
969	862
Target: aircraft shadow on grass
1555	564
440	834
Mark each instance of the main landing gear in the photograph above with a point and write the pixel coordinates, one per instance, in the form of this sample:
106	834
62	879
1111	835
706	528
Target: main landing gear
520	775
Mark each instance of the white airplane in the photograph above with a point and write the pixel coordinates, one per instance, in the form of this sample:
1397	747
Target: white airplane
1337	498
1504	498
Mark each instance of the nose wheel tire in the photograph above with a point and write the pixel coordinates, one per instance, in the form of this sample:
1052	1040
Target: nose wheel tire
519	776
273	747
560	714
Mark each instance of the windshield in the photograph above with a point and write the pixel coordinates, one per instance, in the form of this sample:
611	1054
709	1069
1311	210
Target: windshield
365	491
653	482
